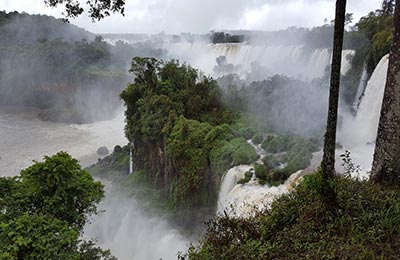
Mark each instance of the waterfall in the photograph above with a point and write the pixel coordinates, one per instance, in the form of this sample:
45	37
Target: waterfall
319	59
244	199
361	88
130	158
358	133
229	181
290	60
367	118
347	58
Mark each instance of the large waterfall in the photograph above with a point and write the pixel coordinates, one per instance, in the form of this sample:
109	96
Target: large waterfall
369	111
357	135
290	60
244	199
361	88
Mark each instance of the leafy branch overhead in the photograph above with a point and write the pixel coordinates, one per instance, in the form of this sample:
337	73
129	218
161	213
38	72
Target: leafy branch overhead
97	9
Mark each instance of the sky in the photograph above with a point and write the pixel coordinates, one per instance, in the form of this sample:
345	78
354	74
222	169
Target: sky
202	16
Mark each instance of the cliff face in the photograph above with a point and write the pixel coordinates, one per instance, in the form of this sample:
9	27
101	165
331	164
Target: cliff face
175	121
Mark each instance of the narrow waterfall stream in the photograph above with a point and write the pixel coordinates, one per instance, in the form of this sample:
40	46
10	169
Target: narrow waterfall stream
361	88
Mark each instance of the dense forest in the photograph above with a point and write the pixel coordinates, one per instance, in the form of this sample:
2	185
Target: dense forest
44	210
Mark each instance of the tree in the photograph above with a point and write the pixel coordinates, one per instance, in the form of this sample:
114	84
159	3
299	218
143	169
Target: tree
348	18
387	7
59	187
328	161
386	164
98	9
44	209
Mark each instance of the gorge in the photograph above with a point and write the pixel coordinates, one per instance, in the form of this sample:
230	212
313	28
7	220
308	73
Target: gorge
221	132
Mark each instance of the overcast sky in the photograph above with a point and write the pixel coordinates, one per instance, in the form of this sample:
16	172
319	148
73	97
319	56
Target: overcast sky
201	16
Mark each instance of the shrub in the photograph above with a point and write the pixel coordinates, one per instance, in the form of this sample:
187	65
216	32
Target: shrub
246	178
257	138
363	225
260	171
243	152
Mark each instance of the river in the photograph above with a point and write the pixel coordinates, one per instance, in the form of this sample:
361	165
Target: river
124	227
24	138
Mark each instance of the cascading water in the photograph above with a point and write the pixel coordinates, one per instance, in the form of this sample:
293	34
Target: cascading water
347	58
244	199
358	133
368	114
319	60
130	159
277	59
361	88
229	181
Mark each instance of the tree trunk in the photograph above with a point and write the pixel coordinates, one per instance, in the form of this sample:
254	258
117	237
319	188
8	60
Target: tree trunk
386	164
328	161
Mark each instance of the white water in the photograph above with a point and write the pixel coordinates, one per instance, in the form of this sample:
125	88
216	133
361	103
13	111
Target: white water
130	159
347	58
229	181
358	133
246	199
133	234
361	88
368	114
279	59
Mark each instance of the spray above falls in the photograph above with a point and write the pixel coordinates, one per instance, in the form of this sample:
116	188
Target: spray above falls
291	60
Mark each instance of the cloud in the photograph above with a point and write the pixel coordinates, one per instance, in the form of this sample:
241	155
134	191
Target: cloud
200	16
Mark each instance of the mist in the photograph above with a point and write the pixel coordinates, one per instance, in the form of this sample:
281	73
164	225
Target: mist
71	75
130	232
70	78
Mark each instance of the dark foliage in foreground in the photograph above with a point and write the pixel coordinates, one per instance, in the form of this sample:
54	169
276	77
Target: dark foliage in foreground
364	224
44	209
